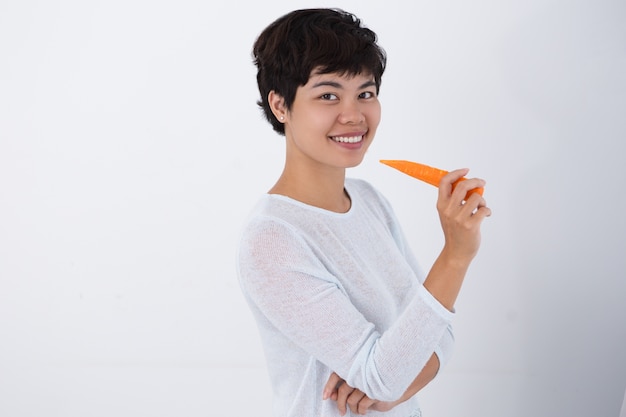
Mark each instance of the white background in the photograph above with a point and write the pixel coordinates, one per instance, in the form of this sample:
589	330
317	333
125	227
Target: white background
131	150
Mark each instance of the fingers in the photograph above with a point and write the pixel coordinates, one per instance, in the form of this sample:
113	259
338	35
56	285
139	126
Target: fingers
354	400
478	206
455	191
343	392
464	190
446	183
331	386
345	396
456	187
365	404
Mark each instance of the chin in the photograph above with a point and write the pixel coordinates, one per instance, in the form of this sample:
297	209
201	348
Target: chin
352	164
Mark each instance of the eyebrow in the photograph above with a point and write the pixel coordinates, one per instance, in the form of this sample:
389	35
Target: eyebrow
335	84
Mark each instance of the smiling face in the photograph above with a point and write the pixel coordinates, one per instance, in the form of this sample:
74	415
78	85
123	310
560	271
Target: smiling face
292	47
332	120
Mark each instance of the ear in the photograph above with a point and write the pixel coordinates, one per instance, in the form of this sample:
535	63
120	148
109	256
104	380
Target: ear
277	104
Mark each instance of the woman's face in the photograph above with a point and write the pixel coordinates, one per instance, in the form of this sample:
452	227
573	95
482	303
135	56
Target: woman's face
333	119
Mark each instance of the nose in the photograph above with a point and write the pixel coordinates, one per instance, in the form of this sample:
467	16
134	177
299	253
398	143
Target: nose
351	112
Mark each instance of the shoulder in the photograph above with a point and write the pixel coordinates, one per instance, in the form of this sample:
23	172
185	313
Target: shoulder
276	227
267	219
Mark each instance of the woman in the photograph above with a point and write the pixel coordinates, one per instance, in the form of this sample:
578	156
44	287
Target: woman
348	321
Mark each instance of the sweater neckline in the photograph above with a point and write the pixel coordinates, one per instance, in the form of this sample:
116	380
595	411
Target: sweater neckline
293	201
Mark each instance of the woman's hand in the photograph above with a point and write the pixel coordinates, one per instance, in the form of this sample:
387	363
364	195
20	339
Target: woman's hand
338	390
461	219
345	396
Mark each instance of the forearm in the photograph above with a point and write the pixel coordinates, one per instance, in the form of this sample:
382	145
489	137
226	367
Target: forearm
346	396
427	374
445	278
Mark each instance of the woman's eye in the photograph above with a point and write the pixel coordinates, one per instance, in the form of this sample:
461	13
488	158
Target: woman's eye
367	94
328	96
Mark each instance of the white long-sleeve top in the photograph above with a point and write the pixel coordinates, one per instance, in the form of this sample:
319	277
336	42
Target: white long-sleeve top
338	292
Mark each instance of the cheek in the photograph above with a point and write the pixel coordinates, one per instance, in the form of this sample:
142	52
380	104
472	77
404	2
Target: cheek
318	119
373	117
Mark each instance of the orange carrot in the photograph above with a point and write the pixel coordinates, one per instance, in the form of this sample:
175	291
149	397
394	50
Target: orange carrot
425	173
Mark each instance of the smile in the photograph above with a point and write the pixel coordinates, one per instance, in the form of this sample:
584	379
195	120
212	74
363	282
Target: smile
347	139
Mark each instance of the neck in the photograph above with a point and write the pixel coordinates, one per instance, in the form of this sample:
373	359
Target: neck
322	187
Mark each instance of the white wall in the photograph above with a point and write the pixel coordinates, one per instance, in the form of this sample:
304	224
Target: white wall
131	148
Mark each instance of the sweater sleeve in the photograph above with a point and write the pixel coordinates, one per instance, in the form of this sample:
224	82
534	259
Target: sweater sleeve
286	282
446	344
444	348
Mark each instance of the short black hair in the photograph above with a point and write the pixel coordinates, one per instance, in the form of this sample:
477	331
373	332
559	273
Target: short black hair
325	40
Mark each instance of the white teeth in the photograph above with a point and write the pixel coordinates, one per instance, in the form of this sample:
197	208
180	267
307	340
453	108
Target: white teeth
352	139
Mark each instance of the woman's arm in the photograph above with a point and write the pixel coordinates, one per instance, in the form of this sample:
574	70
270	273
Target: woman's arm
294	294
460	221
423	378
348	397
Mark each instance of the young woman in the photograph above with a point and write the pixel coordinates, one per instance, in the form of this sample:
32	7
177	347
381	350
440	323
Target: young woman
348	321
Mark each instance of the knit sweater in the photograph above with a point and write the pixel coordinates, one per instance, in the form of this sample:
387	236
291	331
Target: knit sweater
338	292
